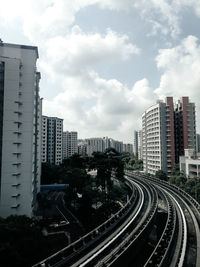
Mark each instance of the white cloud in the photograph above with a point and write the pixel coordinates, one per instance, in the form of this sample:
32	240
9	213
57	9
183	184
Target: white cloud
79	52
43	19
101	107
181	71
181	66
70	58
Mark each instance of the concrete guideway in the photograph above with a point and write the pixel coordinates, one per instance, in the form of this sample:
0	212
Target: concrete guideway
123	235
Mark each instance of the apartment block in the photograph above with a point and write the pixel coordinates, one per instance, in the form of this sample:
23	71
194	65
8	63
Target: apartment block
185	127
190	164
137	144
70	144
167	130
198	143
128	148
82	147
95	145
52	134
20	129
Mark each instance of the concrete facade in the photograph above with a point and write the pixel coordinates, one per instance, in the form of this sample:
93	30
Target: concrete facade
167	130
190	164
20	129
198	143
137	144
52	134
185	127
70	144
128	148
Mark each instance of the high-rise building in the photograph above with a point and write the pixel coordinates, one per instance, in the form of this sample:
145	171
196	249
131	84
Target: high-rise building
52	133
98	144
140	144
82	147
70	144
128	148
167	130
95	145
137	144
185	127
198	143
20	129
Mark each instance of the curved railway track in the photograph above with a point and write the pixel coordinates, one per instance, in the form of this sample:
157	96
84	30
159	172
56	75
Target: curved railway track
185	250
120	240
98	241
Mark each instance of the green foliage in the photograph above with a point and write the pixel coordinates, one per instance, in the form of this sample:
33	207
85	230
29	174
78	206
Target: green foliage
160	174
84	192
190	185
133	163
22	243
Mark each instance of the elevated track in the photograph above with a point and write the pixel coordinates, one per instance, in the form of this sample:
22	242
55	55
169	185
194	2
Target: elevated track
120	240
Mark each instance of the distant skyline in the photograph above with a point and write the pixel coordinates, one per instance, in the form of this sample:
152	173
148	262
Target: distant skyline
103	62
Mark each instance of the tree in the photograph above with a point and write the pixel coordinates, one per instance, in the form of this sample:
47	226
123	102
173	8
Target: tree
160	174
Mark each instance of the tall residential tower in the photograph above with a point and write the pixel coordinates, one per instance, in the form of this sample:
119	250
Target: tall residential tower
20	129
167	130
70	144
52	132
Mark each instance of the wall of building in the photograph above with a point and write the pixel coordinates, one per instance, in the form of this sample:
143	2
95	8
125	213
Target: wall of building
20	163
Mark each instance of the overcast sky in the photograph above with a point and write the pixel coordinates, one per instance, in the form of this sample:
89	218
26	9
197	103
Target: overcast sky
103	62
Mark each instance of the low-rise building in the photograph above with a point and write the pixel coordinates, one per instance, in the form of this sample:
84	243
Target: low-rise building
190	164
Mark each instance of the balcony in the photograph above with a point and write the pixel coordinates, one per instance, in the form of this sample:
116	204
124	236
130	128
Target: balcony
16	185
16	174
16	195
15	206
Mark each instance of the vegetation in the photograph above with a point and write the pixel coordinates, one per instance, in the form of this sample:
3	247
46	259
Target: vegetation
161	175
190	185
94	199
133	163
91	199
22	243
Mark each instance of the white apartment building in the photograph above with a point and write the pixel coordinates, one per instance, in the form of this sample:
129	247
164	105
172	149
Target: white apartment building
98	144
157	137
137	144
95	145
198	143
82	147
52	134
70	144
20	129
128	148
190	164
167	130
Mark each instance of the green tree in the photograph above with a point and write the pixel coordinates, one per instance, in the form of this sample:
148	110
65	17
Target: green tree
160	174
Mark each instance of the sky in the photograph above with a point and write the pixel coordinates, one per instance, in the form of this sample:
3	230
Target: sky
103	62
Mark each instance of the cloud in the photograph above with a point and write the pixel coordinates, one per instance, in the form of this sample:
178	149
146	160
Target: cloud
181	71
78	52
70	58
44	19
102	107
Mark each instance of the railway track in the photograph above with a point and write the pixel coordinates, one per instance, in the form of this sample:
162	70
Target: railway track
89	248
184	250
120	240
